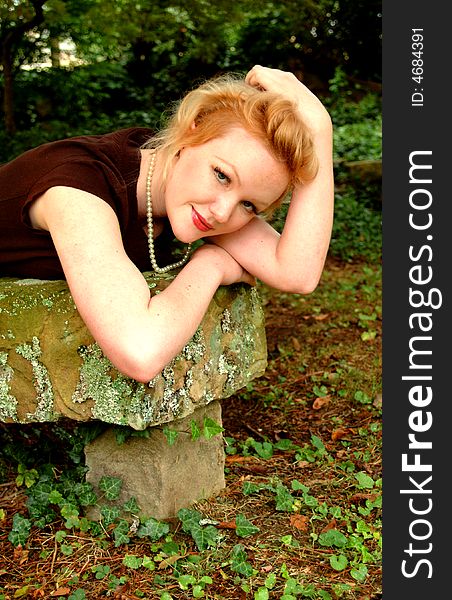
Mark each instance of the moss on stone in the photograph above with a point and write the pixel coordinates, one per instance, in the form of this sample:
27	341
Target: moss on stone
51	366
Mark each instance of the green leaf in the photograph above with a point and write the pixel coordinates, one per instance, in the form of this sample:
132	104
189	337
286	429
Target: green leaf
185	581
261	594
60	535
284	499
189	518
359	573
54	497
211	428
197	591
244	528
338	563
317	443
86	494
132	562
249	488
109	514
101	571
120	533
364	480
195	430
204	537
148	563
332	537
153	529
78	594
239	562
67	549
71	515
20	530
111	487
170	434
270	581
131	506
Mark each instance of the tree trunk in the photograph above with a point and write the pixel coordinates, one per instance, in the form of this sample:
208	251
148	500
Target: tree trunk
8	94
9	38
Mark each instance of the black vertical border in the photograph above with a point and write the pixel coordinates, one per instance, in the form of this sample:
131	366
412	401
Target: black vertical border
408	128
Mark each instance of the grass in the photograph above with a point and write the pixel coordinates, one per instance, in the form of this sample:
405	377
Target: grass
301	513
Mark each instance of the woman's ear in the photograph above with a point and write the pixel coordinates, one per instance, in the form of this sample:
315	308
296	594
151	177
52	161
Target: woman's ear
193	125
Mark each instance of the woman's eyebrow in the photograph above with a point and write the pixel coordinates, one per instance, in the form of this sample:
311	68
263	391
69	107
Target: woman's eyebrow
231	166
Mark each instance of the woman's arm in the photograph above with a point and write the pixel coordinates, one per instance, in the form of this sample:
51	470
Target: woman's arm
293	261
139	334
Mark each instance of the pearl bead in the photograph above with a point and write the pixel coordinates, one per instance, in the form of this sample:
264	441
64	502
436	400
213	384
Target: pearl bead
150	221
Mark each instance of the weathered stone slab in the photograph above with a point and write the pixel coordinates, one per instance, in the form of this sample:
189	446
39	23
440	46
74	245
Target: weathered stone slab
50	366
161	477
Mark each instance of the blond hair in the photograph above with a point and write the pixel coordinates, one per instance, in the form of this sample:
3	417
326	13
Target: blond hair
228	101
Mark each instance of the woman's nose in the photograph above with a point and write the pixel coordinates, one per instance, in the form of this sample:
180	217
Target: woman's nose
221	208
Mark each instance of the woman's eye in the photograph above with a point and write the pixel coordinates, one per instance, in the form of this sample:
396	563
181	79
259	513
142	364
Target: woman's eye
249	206
222	177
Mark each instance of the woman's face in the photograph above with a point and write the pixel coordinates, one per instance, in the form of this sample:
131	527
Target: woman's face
219	186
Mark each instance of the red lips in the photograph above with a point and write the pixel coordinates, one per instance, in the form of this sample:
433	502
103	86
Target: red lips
199	221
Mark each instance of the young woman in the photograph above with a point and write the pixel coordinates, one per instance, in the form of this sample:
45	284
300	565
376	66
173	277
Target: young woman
99	210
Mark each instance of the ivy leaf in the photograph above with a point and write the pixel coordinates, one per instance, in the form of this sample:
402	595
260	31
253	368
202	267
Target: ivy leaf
317	443
153	529
284	499
249	488
364	480
66	549
109	514
120	533
245	528
338	563
54	497
211	428
110	486
332	537
71	515
239	562
79	594
60	535
359	573
261	594
85	494
20	530
195	431
189	518
185	581
204	537
131	505
171	435
132	562
42	492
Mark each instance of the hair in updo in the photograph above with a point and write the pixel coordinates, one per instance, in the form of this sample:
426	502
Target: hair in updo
228	101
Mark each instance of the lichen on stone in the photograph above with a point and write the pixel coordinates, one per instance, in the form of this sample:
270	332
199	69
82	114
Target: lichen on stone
8	403
195	349
43	386
114	399
226	321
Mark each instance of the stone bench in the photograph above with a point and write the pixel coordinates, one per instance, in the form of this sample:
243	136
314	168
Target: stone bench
51	369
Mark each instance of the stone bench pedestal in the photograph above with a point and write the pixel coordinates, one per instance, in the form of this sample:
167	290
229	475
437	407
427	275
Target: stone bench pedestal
51	368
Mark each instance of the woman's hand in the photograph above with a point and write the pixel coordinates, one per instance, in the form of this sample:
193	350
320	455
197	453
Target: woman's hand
231	271
286	84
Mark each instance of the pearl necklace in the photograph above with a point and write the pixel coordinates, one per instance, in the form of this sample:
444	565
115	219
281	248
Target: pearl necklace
154	264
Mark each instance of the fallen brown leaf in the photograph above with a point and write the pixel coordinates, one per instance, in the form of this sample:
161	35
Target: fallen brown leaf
227	525
62	591
320	402
300	522
340	433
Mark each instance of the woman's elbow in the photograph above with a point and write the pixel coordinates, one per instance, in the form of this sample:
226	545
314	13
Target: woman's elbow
299	285
138	365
